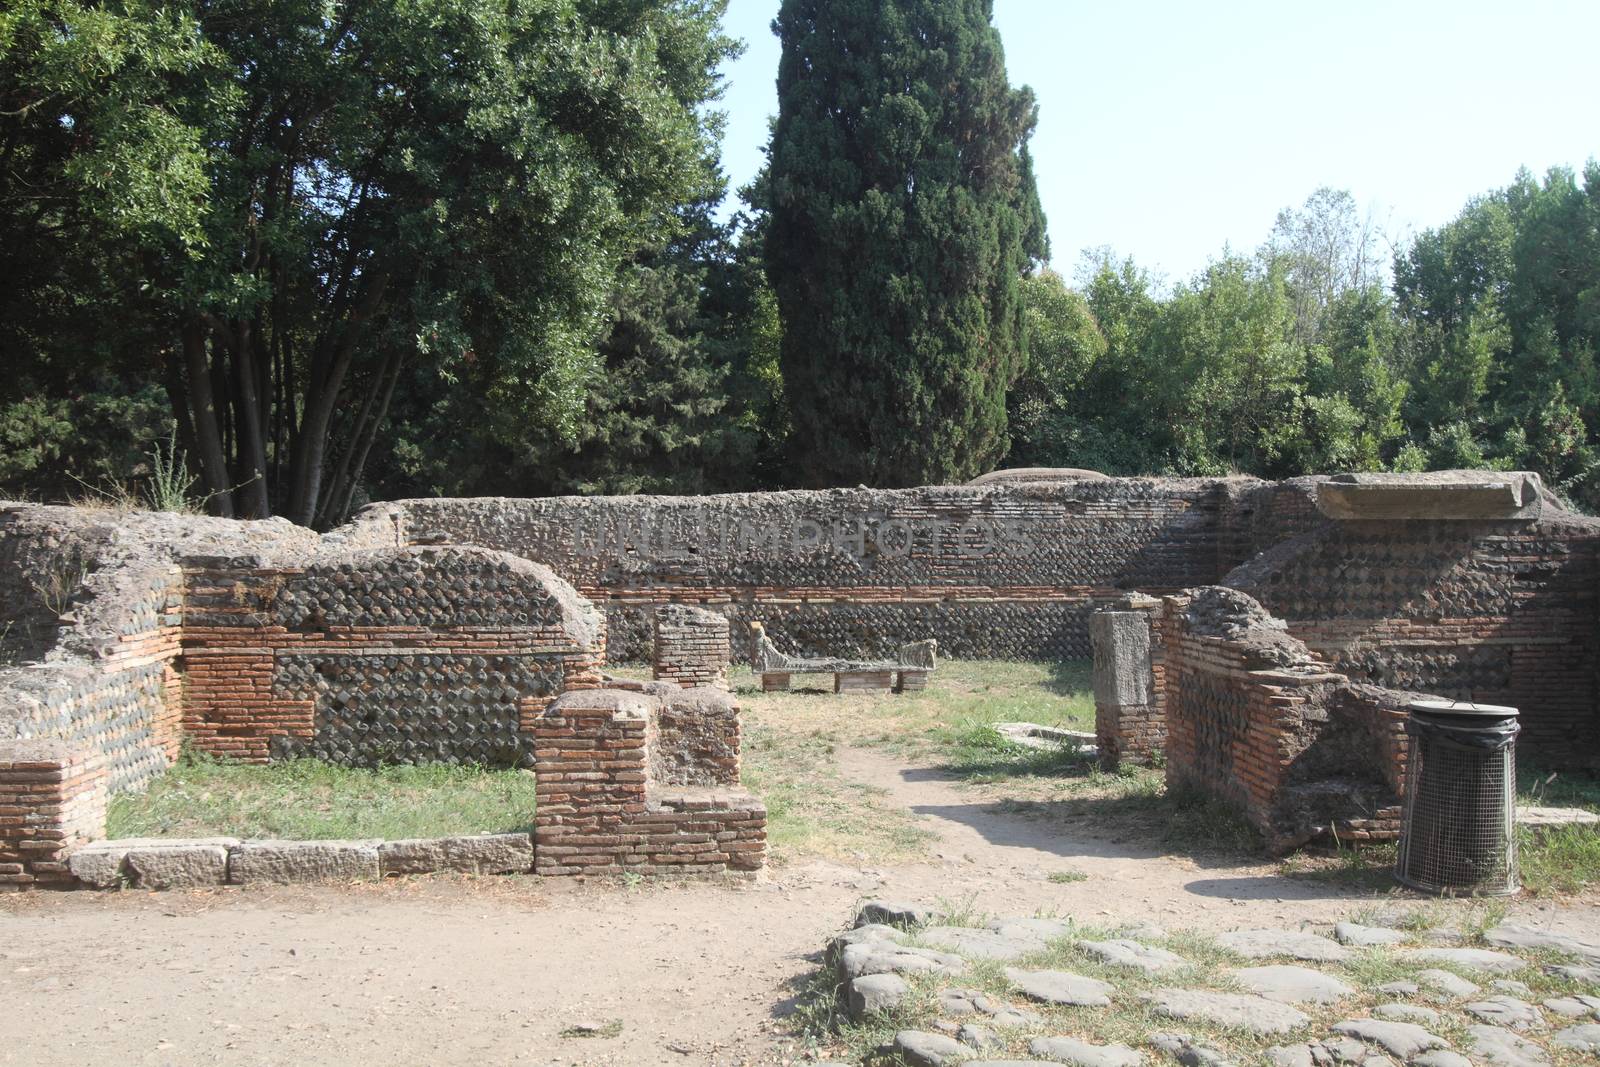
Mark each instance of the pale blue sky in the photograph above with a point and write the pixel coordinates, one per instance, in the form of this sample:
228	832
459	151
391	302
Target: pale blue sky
1167	130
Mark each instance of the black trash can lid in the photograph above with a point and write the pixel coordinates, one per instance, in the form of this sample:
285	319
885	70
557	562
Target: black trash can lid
1461	707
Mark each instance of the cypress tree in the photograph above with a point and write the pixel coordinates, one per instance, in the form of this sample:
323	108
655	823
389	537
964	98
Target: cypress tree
903	216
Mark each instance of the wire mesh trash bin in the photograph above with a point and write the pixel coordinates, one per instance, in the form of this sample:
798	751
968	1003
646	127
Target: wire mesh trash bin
1458	831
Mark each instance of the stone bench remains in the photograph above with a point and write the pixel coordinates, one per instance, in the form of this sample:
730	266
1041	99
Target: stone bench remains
908	672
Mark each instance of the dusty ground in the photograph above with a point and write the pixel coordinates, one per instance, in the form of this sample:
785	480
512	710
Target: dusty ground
492	971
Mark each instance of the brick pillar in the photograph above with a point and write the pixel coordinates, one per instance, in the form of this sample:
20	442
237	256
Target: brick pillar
589	756
52	799
691	646
1127	720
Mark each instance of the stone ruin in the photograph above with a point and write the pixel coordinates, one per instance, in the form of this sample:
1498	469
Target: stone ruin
1284	688
691	647
1262	635
260	641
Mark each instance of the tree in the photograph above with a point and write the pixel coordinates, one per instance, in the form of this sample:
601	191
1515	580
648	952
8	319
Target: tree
323	203
1327	247
1505	303
903	216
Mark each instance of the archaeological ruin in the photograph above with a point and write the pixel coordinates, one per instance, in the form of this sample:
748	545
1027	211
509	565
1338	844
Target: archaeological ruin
1263	637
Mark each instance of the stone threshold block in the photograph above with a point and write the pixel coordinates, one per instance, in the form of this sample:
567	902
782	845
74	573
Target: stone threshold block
174	863
484	854
1439	495
288	862
153	862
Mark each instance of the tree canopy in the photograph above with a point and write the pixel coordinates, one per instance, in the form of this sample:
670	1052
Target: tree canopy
903	217
344	251
294	206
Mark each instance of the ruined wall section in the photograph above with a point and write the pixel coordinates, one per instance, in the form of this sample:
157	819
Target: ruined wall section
603	806
692	647
989	571
95	710
420	654
1255	718
1499	612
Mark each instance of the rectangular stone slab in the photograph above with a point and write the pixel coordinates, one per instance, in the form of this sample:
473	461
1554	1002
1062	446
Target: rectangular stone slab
848	681
483	854
1439	495
1122	674
286	862
180	865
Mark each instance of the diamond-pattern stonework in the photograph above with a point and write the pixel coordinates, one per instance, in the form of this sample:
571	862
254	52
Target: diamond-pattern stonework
415	708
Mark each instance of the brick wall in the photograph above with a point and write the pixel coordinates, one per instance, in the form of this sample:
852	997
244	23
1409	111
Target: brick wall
52	799
1255	718
599	812
420	654
694	739
1004	571
691	647
1491	612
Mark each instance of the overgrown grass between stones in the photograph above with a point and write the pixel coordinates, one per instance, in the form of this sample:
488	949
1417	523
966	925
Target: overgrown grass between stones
1130	1020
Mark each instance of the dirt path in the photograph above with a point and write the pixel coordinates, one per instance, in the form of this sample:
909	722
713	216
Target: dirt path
492	971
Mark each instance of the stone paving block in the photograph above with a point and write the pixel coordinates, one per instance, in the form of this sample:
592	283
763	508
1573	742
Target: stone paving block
1404	1040
1292	985
286	862
874	993
181	865
1061	987
1246	1011
1296	944
1083	1054
1472	959
478	854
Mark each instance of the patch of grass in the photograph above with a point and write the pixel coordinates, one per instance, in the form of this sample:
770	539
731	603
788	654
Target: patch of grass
1560	860
936	723
1066	877
1566	859
1537	787
308	799
978	752
1204	822
812	809
613	1028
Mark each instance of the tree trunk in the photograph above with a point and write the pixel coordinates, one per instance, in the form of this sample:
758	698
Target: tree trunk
322	397
374	409
252	451
203	409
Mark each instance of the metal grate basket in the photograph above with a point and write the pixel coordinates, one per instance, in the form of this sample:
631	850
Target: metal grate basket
1458	832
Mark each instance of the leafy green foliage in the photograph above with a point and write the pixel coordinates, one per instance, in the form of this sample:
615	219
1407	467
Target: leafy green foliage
314	203
903	216
1297	361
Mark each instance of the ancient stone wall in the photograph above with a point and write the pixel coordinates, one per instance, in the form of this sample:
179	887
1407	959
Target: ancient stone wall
1255	718
422	654
990	571
353	648
1498	612
52	799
